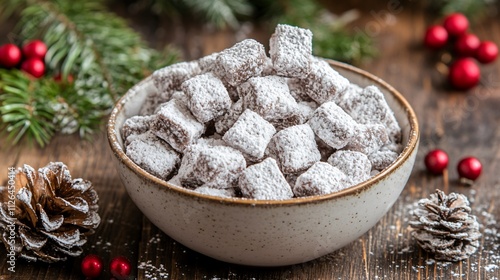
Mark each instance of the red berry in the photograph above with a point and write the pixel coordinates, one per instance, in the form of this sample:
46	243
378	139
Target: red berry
436	161
467	44
91	266
487	52
10	55
120	267
33	66
469	168
456	24
435	37
35	48
464	74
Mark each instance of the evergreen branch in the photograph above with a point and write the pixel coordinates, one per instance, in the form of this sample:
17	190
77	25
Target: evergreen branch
470	8
24	107
84	40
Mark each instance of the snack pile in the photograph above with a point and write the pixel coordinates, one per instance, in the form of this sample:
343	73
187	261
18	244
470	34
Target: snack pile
241	124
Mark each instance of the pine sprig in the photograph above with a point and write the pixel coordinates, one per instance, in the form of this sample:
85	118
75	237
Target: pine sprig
470	8
24	107
96	47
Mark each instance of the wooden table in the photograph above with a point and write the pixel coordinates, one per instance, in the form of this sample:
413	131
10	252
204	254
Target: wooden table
462	123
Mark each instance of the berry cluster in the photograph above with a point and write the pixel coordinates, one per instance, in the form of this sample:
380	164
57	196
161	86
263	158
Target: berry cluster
92	266
30	57
464	73
469	168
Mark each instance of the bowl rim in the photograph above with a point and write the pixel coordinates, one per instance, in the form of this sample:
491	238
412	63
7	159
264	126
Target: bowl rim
414	135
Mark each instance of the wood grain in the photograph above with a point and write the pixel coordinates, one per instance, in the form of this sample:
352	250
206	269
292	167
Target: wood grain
461	123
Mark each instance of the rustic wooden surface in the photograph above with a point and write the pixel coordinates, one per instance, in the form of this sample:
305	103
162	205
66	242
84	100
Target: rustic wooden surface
461	123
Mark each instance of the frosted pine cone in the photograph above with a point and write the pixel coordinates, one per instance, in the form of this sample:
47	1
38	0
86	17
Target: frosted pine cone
445	226
53	214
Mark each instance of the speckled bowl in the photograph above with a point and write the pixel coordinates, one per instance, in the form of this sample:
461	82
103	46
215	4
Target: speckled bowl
263	232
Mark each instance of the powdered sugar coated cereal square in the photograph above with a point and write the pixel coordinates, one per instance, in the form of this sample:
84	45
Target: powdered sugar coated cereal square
153	155
264	180
171	77
134	126
175	124
321	178
294	149
368	138
242	61
290	49
354	165
208	98
269	97
250	134
370	107
332	125
212	166
323	83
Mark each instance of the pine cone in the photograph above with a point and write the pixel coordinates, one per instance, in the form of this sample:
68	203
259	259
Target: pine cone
53	214
445	226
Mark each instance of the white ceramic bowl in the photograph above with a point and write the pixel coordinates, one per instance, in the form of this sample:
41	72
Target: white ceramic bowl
266	233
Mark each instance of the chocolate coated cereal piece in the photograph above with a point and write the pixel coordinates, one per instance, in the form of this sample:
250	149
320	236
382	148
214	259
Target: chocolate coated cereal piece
212	166
250	134
382	159
354	164
294	149
323	83
171	77
368	138
153	155
264	181
290	49
321	178
134	126
175	124
230	192
207	63
240	62
332	125
224	122
370	107
269	97
208	98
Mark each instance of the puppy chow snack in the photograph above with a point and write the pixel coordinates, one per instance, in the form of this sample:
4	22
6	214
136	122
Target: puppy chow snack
211	166
290	49
296	90
355	165
242	61
368	138
382	158
321	178
175	124
207	63
240	124
250	134
153	155
207	97
134	126
230	192
224	122
264	180
332	125
171	77
370	107
294	149
323	83
269	97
